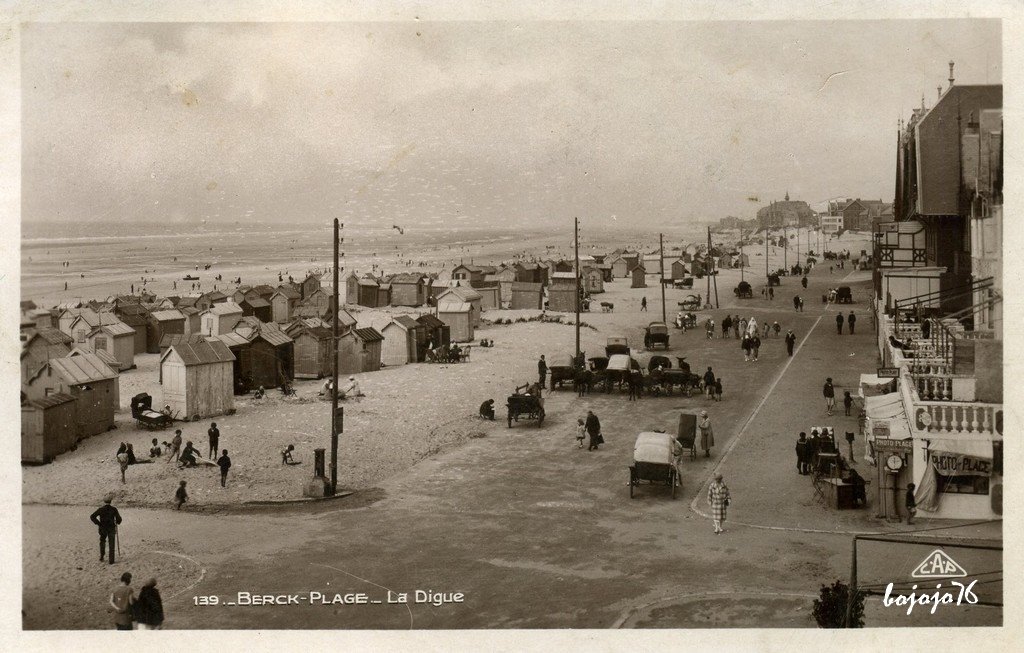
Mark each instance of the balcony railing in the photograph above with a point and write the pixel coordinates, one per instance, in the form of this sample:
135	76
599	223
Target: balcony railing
949	418
944	387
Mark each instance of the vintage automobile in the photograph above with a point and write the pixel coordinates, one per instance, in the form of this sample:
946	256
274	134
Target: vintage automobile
744	291
654	462
655	334
844	295
616	345
523	404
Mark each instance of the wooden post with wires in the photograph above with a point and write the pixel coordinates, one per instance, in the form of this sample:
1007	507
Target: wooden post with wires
661	267
335	308
712	272
579	292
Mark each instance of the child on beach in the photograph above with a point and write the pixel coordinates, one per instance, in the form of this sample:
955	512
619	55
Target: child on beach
581	432
718	389
180	495
847	402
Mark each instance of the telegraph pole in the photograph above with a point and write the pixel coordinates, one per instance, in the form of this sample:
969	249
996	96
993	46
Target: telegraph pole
661	246
785	250
334	366
712	271
579	292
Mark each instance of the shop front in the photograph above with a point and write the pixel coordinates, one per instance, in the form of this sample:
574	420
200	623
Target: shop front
959	477
889	448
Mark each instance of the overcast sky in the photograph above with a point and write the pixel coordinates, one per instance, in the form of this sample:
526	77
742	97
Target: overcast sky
652	123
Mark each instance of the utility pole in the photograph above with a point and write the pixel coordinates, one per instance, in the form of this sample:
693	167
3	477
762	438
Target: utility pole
579	293
785	250
742	256
661	246
334	365
712	272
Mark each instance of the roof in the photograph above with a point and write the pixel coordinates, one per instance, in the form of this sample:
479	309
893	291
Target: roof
169	314
225	308
263	289
464	293
318	332
406	277
276	337
186	302
407	322
214	295
188	310
454	307
28	305
84	368
256	302
56	399
202	352
430	321
368	334
116	329
53	336
103	355
232	339
367	282
289	292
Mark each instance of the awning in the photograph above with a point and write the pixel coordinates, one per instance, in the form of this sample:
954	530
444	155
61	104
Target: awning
872	385
972	448
886	417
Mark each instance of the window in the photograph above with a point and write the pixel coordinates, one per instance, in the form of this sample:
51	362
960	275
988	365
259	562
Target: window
80	335
100	343
962	484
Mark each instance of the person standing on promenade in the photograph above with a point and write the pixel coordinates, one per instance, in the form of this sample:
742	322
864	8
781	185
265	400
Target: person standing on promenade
851	320
726	326
149	607
771	293
911	503
755	347
225	464
718	389
709	382
542	370
175	447
796	302
643	304
847	402
707	434
804	282
801	301
106	518
214	434
121	600
801	454
839	323
829	392
790	341
718	500
180	495
736	326
593	430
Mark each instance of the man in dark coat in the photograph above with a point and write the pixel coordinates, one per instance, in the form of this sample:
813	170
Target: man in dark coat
106	518
593	426
214	434
790	341
839	323
709	382
801	454
542	369
149	607
852	321
487	410
796	302
804	281
726	326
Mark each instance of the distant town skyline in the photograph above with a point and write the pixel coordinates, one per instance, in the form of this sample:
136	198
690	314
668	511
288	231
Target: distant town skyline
647	123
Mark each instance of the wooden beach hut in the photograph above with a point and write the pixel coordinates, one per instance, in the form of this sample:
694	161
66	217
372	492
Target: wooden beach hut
401	341
593	280
116	339
41	347
458	316
210	299
310	285
163	323
368	292
220	319
407	289
679	270
264	356
490	297
49	427
351	288
383	294
527	295
283	303
620	267
197	379
639	277
359	351
312	349
562	292
257	307
192	320
464	294
437	333
86	378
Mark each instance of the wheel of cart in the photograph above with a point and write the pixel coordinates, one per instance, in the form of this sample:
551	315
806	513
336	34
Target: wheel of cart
526	406
654	462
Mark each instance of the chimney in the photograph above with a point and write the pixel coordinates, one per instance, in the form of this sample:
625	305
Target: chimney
938	91
951	73
922	102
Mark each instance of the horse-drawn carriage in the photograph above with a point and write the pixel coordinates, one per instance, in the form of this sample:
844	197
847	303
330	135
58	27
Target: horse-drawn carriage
744	291
145	416
656	333
654	462
526	405
773	279
618	371
567	372
448	354
686	321
682	283
844	295
691	303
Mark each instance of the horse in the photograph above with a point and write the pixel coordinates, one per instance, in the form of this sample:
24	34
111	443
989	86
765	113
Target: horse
583	382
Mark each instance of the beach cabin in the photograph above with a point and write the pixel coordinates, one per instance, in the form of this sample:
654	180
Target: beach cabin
107	358
383	294
41	347
257	307
359	350
42	318
86	378
464	294
458	316
473	274
219	319
310	285
312	350
407	290
620	267
679	270
490	297
241	292
49	427
437	286
436	332
283	302
593	280
638	275
351	288
652	263
319	298
263	357
163	323
173	339
209	299
367	292
562	292
69	315
197	379
116	339
401	341
527	296
192	320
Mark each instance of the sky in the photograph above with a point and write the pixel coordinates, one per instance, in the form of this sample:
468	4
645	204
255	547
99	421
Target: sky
475	123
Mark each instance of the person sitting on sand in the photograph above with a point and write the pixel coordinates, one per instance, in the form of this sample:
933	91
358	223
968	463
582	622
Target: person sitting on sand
487	410
286	456
350	389
326	388
189	455
155	451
